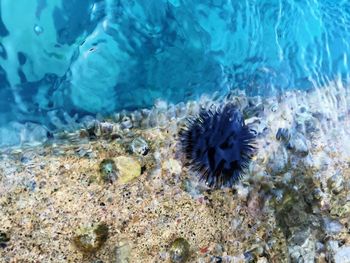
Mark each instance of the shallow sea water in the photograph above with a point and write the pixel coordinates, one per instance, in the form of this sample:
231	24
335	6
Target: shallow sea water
93	95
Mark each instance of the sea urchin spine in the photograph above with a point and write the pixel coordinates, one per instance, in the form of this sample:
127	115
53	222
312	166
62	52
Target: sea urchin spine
218	145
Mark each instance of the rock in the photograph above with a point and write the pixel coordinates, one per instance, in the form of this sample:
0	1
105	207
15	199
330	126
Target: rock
171	113
278	162
128	168
321	161
302	247
283	134
179	250
258	125
305	122
253	110
108	171
172	165
332	227
162	119
253	254
312	126
298	145
87	121
91	239
342	255
242	192
161	105
340	209
180	110
34	133
153	118
91	126
4	239
336	183
274	107
139	146
126	123
332	247
106	128
291	211
255	203
136	118
123	252
317	194
262	260
30	185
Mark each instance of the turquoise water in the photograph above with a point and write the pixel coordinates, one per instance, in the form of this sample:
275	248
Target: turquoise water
63	59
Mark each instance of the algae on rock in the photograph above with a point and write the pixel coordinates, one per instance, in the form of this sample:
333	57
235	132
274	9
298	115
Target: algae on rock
91	239
128	168
179	250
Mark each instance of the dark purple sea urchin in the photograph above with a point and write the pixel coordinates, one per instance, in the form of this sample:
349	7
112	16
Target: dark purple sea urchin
218	145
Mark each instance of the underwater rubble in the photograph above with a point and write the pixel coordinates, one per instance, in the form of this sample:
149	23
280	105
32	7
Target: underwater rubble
116	190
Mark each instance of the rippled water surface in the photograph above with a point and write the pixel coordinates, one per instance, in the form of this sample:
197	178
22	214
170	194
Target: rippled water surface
59	58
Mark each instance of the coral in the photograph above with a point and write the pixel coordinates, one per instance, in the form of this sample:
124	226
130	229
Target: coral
219	145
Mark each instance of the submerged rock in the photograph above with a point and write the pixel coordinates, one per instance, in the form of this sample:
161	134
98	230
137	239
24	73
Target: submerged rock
283	134
123	252
302	246
298	145
179	250
340	208
172	166
139	146
332	227
254	254
91	239
126	123
342	255
108	170
4	239
253	110
278	162
106	128
336	183
291	211
128	168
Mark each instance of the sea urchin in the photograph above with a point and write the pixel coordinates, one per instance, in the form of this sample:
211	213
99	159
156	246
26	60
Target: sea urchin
218	145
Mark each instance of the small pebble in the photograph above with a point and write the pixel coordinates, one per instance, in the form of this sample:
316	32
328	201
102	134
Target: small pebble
91	239
298	145
108	170
126	123
283	134
172	165
123	252
278	162
336	183
179	250
128	168
342	255
106	128
139	146
332	227
4	239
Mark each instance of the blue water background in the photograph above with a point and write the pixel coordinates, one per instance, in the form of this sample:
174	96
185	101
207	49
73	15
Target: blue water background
62	58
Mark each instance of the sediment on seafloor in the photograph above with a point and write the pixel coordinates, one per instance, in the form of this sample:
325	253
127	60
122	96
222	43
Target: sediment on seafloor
115	189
